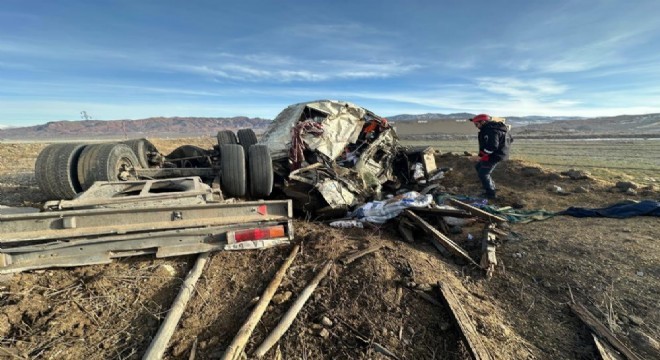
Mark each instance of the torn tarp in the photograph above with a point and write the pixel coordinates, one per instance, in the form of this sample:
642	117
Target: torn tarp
379	212
620	210
517	215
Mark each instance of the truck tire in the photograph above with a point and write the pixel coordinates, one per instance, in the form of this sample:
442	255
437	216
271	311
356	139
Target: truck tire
226	137
247	138
105	162
193	157
232	167
260	169
141	147
56	171
42	174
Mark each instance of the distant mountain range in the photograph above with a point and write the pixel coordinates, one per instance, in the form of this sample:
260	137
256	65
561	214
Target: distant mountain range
532	126
513	120
647	124
407	125
151	127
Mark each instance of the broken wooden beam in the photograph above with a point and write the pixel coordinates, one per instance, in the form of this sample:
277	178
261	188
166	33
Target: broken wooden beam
438	239
443	212
290	315
601	330
358	254
477	212
426	297
603	350
476	348
366	340
159	343
488	248
405	228
235	349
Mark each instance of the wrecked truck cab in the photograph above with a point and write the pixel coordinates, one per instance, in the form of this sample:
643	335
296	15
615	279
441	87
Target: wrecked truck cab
330	155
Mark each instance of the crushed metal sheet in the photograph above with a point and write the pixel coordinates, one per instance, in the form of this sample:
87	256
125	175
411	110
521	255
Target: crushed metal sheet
344	151
335	194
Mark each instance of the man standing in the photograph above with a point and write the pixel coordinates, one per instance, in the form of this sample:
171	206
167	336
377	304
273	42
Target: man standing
494	143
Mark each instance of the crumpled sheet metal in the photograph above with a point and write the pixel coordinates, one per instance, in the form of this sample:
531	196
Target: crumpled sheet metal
335	193
278	137
338	129
378	172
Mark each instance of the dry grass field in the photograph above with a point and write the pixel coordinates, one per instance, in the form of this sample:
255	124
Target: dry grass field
611	159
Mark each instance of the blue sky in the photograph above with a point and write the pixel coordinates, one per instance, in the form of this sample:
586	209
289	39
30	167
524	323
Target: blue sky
134	59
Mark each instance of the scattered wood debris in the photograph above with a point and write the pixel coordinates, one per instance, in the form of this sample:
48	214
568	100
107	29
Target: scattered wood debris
235	349
159	343
601	330
475	346
440	240
604	351
405	228
488	247
364	339
290	315
352	257
477	212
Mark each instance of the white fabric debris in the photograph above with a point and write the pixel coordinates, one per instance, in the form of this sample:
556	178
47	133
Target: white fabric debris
379	212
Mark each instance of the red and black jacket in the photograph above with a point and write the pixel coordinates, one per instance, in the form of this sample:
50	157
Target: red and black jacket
494	142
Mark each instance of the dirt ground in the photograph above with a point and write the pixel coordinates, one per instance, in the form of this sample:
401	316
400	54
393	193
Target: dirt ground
113	311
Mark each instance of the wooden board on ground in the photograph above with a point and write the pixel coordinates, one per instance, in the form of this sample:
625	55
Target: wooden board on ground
475	346
439	238
605	352
599	329
477	212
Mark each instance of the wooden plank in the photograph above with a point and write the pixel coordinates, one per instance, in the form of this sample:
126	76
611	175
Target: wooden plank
488	248
477	212
358	254
235	349
441	239
159	344
476	348
443	212
603	350
601	330
405	230
443	225
290	315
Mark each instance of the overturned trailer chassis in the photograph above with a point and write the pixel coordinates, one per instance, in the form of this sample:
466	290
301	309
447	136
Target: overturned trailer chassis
184	221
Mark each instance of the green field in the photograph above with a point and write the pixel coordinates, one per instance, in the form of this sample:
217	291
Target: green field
630	159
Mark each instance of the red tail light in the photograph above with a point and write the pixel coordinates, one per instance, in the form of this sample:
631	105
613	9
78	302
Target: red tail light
270	232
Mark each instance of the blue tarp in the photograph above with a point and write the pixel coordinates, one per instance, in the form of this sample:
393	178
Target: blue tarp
620	210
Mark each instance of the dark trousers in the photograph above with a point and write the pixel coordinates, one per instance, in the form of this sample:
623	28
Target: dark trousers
484	170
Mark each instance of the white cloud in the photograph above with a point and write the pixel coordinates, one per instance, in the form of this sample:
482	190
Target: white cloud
521	88
301	70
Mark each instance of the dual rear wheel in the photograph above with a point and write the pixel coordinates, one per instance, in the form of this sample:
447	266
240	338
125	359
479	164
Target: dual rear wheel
246	167
64	170
236	173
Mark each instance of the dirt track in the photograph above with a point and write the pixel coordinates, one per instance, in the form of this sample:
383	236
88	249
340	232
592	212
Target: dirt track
112	311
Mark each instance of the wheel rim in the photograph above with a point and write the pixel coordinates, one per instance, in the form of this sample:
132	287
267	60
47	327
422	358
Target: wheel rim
125	169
